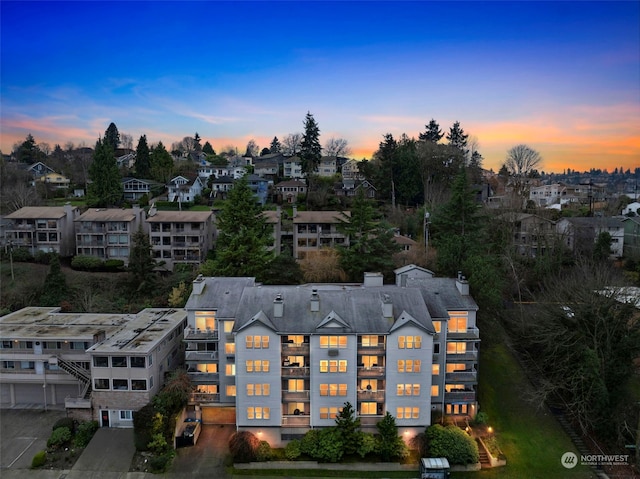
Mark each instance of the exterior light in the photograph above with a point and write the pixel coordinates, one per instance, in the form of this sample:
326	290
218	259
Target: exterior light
490	429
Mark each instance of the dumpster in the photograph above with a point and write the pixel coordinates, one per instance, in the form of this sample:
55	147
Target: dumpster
434	468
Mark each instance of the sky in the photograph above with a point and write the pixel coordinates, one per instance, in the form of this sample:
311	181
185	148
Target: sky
562	77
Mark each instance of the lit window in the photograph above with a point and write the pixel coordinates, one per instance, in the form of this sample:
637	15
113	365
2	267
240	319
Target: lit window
435	390
435	369
368	408
228	326
258	413
456	348
257	366
230	369
231	390
329	412
407	413
369	341
408	389
409	365
457	324
409	342
230	348
333	342
258	389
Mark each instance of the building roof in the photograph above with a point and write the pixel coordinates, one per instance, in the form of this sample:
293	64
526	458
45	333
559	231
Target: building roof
222	294
143	332
400	239
594	222
180	217
107	214
320	216
38	212
297	183
441	296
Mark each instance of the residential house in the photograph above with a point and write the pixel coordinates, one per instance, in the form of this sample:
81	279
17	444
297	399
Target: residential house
285	359
328	166
351	171
43	228
55	180
313	230
259	186
136	188
39	169
581	233
631	209
127	160
292	168
533	235
221	185
350	187
408	247
547	195
289	190
180	237
98	366
631	227
268	167
107	233
184	189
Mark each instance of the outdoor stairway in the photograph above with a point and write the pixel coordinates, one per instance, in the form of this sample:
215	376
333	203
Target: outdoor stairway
484	457
577	441
79	373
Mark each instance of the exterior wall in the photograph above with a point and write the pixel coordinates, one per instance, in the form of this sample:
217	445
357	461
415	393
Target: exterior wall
246	377
181	242
309	237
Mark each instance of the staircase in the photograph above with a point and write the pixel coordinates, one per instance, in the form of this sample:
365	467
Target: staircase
484	457
79	373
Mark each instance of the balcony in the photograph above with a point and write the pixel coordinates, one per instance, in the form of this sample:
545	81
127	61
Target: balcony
469	355
296	420
295	371
191	334
199	377
295	395
367	395
201	355
469	376
459	396
369	420
370	372
295	349
204	397
376	350
470	333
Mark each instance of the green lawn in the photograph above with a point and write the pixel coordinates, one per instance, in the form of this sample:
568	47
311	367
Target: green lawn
531	439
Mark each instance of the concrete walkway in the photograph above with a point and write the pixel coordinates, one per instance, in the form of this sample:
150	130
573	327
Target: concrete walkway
110	450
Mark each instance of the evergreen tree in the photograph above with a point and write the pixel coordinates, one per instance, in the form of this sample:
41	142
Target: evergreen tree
390	445
433	133
105	188
112	136
161	164
475	168
243	235
381	170
275	146
371	243
311	150
55	284
348	426
283	269
208	149
141	264
457	138
143	158
197	147
28	152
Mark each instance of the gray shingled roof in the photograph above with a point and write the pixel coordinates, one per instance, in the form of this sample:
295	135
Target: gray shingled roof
222	294
441	295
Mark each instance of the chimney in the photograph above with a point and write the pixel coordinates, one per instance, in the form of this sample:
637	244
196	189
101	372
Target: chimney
462	284
315	301
373	279
278	306
387	307
198	285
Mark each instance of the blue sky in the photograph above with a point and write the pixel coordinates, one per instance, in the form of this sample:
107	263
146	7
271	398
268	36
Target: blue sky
561	77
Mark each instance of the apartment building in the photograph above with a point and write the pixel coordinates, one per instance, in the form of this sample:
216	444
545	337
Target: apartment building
180	237
96	366
107	233
285	359
43	228
313	230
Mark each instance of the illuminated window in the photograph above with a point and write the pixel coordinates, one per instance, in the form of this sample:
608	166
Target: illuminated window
295	340
333	389
258	389
228	326
296	385
454	387
333	365
435	390
258	413
231	390
457	408
435	369
453	367
369	384
368	408
408	389
456	348
230	348
230	369
409	342
409	365
369	341
205	320
457	324
437	325
407	413
329	412
333	342
257	366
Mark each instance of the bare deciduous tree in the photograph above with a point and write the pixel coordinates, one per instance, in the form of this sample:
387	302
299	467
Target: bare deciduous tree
520	163
291	144
337	147
322	266
126	141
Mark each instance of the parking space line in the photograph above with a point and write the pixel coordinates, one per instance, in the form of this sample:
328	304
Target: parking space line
22	453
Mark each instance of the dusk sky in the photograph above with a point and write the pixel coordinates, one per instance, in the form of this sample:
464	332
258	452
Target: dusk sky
561	77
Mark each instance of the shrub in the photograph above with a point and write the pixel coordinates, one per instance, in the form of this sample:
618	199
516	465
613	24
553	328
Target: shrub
86	263
243	446
59	437
419	443
114	265
481	418
292	450
158	444
161	462
21	254
453	443
264	453
323	445
142	422
39	459
42	257
65	422
367	444
84	433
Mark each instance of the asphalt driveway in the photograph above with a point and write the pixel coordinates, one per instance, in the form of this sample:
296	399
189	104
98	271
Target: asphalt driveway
206	458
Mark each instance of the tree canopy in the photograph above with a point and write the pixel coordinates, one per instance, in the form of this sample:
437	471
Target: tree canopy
310	148
112	136
105	188
143	158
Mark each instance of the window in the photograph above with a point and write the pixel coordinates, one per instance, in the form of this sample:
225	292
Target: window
457	324
437	325
120	384
435	369
407	413
230	348
453	367
408	389
435	390
457	408
230	369
333	365
409	342
126	416
137	362
333	389
100	383
436	348
228	326
138	384
257	366
8	365
258	413
369	384
409	365
27	365
456	348
294	340
258	389
333	342
329	412
257	342
296	385
231	390
100	362
7	344
119	361
369	341
368	408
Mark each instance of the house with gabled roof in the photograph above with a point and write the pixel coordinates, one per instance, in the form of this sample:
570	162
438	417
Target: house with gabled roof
185	188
